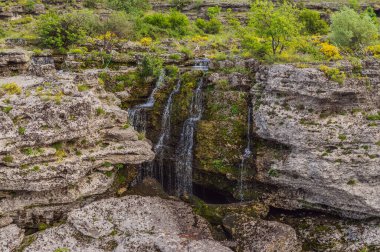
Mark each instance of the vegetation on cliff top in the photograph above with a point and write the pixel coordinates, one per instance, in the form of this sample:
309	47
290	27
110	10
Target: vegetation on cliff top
284	32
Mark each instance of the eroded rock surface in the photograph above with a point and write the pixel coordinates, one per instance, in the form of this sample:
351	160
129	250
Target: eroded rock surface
60	140
255	235
325	139
131	223
10	238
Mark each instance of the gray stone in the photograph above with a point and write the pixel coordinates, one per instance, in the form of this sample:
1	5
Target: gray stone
327	156
10	238
131	223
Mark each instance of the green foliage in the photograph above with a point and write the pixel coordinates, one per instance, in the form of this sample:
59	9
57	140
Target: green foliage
30	5
277	25
21	130
374	117
214	11
333	74
61	31
8	159
213	26
129	6
273	173
180	4
172	71
342	137
313	24
350	29
11	88
119	23
7	109
255	46
42	226
173	24
2	33
100	111
62	250
150	67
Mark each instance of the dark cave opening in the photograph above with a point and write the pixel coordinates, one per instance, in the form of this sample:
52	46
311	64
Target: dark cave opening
211	195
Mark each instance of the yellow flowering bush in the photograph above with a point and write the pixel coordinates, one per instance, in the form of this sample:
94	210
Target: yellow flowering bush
199	38
147	41
373	50
333	74
330	51
11	88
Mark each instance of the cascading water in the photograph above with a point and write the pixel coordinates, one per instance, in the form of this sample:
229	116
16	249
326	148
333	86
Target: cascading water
201	64
246	155
184	160
157	167
137	114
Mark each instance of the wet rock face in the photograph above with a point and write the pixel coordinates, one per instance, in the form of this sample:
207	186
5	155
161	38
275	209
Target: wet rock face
327	138
131	223
60	142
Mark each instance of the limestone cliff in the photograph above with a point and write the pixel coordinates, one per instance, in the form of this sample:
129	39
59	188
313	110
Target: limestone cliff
327	137
62	138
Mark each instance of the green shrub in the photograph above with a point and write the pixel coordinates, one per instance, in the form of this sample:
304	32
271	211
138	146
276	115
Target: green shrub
7	109
30	5
2	33
150	67
214	11
8	159
374	117
350	29
213	26
313	24
61	31
255	46
129	6
92	3
333	74
173	24
118	23
180	4
100	111
21	130
11	88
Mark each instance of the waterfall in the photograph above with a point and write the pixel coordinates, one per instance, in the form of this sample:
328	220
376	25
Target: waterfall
246	155
164	137
201	64
184	158
137	114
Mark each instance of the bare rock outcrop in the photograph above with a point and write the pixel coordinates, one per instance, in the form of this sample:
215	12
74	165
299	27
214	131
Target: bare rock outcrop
61	141
324	137
14	61
131	223
255	235
11	237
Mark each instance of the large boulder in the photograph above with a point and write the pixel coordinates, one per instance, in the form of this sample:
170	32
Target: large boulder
256	235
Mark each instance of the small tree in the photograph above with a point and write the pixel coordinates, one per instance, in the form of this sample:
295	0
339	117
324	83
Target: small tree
350	29
278	25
